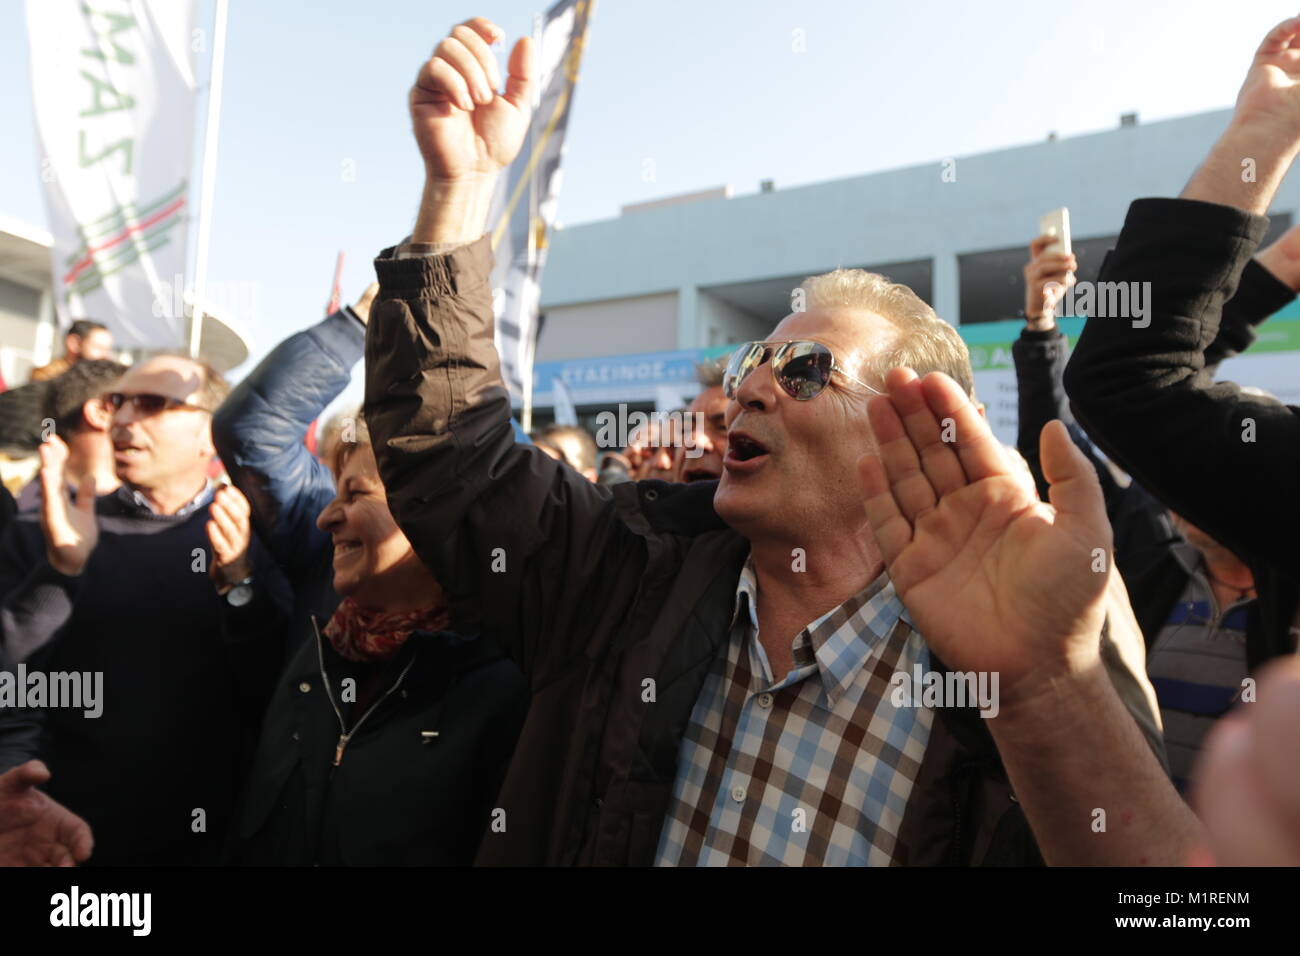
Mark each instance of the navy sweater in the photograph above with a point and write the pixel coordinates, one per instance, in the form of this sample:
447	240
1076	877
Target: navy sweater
180	703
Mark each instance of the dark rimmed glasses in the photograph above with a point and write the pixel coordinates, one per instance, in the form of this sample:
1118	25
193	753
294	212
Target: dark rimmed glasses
801	367
149	403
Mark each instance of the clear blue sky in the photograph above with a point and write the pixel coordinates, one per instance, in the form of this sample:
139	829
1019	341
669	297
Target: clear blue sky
711	92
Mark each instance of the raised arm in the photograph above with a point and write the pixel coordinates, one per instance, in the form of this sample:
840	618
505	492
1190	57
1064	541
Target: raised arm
259	432
519	542
1263	290
40	566
1002	583
1040	354
1141	388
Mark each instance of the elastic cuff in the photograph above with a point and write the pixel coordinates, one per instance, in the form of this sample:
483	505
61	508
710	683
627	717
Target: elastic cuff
1198	216
450	274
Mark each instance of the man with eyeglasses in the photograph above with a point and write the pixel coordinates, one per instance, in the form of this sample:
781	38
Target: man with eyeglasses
711	663
120	585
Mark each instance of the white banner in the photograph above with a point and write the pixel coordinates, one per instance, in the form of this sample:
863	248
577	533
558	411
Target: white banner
113	82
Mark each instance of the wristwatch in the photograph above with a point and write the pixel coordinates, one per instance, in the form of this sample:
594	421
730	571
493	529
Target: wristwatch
241	593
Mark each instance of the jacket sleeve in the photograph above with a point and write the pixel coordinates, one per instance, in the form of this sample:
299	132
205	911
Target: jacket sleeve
1259	295
1040	394
1227	461
259	432
20	728
36	601
524	546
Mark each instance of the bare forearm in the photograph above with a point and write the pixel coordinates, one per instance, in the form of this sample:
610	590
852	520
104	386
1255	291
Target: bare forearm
1244	168
1094	793
453	213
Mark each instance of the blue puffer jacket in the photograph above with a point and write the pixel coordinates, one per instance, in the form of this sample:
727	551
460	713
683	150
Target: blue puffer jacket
426	752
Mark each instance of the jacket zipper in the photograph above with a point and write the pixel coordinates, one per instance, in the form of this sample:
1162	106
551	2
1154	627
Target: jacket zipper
345	735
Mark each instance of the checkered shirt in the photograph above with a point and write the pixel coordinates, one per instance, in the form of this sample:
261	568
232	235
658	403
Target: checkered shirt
815	769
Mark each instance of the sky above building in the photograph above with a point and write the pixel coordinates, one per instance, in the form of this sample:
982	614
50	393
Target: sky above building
675	96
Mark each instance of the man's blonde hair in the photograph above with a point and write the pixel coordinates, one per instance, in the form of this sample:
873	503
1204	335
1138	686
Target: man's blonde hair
925	343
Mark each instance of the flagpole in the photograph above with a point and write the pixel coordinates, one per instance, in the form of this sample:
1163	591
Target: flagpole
208	172
333	305
530	346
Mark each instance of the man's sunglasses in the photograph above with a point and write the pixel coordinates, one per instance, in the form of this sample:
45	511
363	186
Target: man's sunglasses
802	368
147	403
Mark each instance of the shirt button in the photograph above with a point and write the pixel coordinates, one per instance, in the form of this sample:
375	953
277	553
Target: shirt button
764	700
738	794
304	687
296	735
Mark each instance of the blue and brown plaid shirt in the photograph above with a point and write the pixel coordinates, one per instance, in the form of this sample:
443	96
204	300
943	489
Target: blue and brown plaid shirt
815	769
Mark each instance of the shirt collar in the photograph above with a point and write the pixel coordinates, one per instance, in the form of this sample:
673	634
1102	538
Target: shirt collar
843	638
1187	556
140	504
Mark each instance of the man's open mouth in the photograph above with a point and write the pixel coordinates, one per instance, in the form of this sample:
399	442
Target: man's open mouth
743	448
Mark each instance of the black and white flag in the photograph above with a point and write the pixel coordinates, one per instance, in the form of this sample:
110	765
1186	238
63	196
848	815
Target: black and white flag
523	209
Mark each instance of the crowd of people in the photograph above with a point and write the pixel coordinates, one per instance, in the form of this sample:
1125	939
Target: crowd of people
838	623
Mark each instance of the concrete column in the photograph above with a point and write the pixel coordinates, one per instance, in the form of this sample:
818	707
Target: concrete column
687	334
47	322
947	287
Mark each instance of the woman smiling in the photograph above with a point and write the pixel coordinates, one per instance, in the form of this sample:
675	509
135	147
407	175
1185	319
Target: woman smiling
388	733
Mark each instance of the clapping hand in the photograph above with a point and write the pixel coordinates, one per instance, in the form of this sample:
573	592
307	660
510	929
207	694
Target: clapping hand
995	579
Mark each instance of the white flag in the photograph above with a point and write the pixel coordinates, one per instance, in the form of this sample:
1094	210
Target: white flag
562	402
524	206
113	82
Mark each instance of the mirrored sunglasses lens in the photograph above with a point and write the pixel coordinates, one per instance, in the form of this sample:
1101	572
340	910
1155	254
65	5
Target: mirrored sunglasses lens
805	370
743	361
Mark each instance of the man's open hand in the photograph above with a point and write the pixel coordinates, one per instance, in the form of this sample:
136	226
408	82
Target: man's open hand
1270	94
34	829
71	528
464	127
994	579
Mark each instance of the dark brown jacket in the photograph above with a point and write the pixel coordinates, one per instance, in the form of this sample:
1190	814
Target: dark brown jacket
592	591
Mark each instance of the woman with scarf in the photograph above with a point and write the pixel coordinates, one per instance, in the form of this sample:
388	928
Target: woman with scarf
387	734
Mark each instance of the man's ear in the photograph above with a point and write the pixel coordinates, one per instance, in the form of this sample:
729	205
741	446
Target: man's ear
97	414
72	344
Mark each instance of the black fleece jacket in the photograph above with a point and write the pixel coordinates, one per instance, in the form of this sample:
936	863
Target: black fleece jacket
1227	461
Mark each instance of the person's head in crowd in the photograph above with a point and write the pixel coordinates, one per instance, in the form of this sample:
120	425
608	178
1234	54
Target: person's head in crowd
162	428
337	427
1216	557
571	445
552	451
705	440
797	418
374	563
82	417
652	447
87	340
